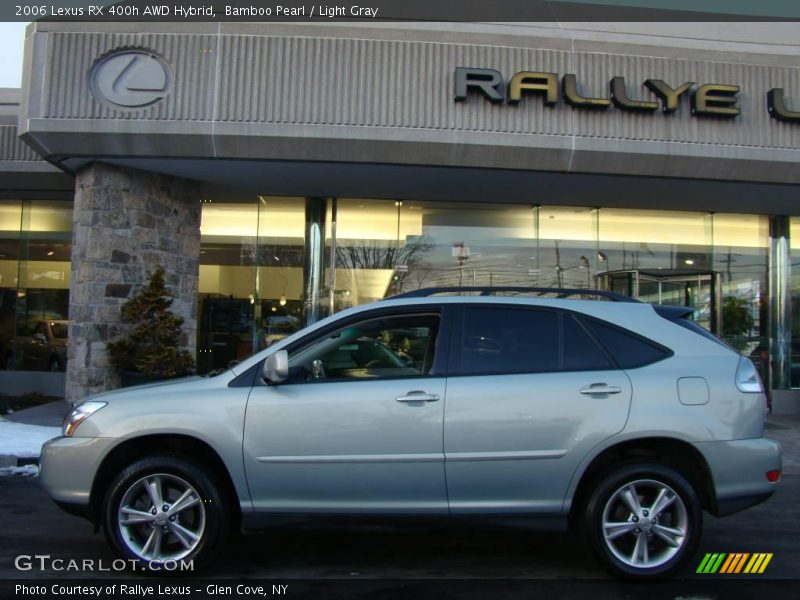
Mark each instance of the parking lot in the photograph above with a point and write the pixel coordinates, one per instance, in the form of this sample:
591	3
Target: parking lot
34	525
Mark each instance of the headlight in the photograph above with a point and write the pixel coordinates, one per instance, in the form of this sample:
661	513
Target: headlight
78	415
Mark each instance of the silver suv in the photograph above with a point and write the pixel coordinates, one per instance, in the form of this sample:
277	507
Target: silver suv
622	419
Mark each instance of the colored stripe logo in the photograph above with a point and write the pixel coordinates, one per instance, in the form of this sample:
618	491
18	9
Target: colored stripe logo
734	563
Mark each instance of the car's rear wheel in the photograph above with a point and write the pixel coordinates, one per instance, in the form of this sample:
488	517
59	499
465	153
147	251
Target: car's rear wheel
643	521
161	509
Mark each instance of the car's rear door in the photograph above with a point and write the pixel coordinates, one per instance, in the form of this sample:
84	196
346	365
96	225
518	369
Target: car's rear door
530	392
359	427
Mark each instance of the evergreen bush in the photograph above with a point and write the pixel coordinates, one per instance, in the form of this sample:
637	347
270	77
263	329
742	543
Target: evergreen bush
152	346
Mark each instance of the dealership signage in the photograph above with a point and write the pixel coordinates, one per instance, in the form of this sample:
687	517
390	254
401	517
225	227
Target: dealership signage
130	79
710	99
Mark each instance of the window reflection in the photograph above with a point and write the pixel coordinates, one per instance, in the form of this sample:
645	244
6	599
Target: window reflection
794	234
251	277
35	250
252	260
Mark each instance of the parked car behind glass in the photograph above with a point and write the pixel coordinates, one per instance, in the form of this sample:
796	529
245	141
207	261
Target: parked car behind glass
38	346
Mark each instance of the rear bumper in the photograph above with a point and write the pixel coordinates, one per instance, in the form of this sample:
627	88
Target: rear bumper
739	470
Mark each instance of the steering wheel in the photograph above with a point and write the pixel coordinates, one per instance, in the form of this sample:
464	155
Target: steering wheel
375	363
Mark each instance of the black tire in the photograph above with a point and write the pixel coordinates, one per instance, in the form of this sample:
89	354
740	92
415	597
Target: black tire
207	516
608	503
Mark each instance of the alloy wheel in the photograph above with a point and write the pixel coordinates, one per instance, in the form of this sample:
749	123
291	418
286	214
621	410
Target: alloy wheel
645	523
161	517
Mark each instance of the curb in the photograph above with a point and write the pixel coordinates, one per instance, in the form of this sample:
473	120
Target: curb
7	460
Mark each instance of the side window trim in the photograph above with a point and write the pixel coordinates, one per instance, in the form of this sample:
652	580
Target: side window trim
456	312
562	346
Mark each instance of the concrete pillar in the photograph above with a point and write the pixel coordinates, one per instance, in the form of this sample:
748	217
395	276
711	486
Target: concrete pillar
125	223
780	300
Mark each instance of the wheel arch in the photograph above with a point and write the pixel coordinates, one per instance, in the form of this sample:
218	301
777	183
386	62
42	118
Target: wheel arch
181	446
671	452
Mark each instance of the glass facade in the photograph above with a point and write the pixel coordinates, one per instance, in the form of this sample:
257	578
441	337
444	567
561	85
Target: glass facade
715	263
35	248
257	264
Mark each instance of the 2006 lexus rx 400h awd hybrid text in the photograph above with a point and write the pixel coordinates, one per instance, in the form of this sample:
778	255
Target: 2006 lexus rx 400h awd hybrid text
621	419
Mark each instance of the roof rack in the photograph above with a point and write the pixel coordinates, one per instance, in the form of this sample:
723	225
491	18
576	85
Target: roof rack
490	291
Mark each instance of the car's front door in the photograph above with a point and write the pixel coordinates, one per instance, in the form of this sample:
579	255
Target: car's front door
358	427
530	394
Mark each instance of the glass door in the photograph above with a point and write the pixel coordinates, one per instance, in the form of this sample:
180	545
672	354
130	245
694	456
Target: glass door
698	290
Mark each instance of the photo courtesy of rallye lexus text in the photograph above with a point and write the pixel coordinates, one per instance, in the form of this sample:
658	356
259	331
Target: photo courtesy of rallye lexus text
100	591
621	419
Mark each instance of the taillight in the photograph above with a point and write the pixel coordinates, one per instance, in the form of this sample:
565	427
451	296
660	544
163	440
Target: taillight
774	476
747	379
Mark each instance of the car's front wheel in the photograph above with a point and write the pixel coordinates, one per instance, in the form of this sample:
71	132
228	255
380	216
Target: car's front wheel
162	509
643	521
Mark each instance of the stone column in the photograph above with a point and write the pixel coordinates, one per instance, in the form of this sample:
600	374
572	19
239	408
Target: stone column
125	223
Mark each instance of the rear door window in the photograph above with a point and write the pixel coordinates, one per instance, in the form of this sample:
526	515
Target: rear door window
581	352
509	340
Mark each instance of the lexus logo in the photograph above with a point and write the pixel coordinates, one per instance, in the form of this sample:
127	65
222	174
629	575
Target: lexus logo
130	79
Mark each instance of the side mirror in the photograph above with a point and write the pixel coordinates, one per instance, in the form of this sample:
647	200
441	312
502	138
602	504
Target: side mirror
40	337
276	367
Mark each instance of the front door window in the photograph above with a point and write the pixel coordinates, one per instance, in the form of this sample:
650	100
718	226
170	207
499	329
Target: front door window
401	346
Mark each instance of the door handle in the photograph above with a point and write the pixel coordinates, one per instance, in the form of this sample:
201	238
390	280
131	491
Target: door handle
418	396
600	388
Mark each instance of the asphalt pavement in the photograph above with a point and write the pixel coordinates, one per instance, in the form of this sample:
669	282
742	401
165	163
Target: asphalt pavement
50	414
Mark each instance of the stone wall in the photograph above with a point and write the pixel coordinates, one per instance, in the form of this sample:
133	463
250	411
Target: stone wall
125	223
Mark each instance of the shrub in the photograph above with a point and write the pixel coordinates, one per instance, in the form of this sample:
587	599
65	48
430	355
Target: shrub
152	345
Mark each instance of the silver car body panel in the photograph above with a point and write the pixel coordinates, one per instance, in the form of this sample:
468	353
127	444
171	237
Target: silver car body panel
512	442
204	408
738	466
68	467
346	447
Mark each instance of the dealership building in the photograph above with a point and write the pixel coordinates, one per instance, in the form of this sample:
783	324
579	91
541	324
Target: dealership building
283	171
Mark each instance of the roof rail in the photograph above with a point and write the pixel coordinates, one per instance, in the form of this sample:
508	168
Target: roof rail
490	291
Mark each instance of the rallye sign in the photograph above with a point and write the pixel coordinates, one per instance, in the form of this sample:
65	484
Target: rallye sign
709	99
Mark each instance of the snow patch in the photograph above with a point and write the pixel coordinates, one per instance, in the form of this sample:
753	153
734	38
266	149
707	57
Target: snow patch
20	439
23	470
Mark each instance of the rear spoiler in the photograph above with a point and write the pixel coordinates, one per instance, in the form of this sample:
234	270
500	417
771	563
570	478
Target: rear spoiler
673	313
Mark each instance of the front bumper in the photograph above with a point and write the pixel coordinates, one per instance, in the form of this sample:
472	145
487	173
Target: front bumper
739	469
67	469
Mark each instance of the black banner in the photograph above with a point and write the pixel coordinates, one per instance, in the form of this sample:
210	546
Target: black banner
461	589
